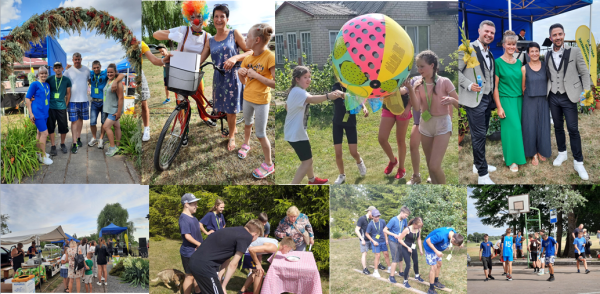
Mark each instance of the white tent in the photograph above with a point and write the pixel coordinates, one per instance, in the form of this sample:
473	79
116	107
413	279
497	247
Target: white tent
47	234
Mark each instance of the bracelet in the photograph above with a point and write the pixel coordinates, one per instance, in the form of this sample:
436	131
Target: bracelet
327	96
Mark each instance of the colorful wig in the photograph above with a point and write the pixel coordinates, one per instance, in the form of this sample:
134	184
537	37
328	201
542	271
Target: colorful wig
188	8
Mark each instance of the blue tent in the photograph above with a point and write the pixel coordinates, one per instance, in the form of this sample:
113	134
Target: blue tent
523	14
124	65
112	229
48	48
69	238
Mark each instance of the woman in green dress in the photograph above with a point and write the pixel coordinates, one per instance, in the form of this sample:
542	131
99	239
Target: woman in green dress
508	96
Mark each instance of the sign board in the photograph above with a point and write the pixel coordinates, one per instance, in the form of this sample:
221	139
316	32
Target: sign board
553	219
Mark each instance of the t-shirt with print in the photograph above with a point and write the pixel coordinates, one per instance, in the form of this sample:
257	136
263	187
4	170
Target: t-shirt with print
548	246
396	226
41	93
534	245
487	248
363	223
375	229
507	246
79	83
213	222
189	225
255	91
98	82
443	87
58	86
90	264
296	119
439	239
217	248
579	243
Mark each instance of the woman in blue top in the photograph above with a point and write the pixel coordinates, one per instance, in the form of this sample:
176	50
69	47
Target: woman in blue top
38	107
214	219
224	52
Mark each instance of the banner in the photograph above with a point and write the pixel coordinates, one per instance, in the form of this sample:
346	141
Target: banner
582	37
126	242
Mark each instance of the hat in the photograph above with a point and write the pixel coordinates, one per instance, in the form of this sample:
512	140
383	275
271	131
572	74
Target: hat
188	198
159	46
375	213
57	64
370	208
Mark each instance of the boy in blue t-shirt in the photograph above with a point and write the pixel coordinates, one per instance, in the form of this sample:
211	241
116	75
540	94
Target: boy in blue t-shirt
189	226
580	251
485	256
436	242
519	245
393	230
378	239
549	246
508	252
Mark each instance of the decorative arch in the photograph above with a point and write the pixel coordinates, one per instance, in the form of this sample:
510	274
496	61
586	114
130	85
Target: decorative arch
70	19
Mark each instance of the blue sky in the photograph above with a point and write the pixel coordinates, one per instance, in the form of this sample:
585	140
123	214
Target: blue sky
74	207
245	14
91	46
474	223
570	21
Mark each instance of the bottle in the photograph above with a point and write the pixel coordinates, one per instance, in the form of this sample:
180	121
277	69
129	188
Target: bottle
479	81
582	98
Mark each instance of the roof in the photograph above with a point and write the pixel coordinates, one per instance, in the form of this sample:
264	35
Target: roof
35	62
44	234
335	8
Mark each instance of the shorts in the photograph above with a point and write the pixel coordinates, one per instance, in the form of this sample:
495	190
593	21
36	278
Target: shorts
57	116
40	124
166	81
382	247
186	264
261	113
79	110
302	149
550	259
110	116
487	262
387	113
145	88
366	247
209	285
247	262
95	110
577	255
88	279
432	259
437	125
338	134
508	258
396	250
64	272
534	256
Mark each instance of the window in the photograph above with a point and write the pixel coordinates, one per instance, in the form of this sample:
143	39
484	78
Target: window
292	47
306	47
419	35
332	37
279	49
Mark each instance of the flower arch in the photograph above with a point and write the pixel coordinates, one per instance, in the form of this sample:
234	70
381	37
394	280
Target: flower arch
70	19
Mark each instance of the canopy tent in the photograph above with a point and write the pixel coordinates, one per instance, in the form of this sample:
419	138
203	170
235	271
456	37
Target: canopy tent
112	229
49	48
47	234
124	66
521	15
69	238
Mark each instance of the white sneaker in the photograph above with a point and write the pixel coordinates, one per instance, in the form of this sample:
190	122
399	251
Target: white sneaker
99	284
146	136
93	142
376	274
581	170
45	160
100	144
491	168
562	157
362	168
340	180
105	283
485	180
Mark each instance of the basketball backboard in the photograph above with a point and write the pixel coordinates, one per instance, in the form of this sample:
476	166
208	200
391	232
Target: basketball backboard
518	204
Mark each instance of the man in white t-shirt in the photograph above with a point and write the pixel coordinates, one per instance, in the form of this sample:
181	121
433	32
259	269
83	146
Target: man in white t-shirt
78	105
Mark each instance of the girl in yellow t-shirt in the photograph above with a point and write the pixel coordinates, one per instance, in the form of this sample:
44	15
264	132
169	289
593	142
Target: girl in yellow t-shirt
257	72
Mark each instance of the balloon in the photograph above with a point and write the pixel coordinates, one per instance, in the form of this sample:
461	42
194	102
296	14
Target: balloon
372	55
353	103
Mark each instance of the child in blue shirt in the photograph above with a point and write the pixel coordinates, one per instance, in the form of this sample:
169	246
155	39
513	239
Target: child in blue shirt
436	242
549	246
519	244
580	251
378	239
214	219
38	105
393	230
191	236
485	256
508	253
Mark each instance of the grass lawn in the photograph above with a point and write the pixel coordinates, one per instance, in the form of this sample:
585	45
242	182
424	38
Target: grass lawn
205	160
324	164
345	257
165	255
545	172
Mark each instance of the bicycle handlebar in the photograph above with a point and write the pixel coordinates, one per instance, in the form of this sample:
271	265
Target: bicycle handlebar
220	70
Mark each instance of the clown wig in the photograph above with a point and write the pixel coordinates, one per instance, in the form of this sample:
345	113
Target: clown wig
188	8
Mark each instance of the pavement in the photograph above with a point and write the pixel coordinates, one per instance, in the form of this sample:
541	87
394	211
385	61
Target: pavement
114	286
523	263
89	166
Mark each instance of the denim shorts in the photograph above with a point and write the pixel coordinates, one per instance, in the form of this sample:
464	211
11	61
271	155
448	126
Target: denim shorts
110	116
79	110
95	110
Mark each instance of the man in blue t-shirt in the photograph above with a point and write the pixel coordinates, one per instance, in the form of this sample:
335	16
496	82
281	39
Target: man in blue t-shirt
191	237
393	230
379	240
579	243
485	256
435	243
519	245
549	247
508	252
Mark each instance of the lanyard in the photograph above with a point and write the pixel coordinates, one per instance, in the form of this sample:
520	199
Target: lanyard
97	78
45	92
426	95
217	219
58	86
379	222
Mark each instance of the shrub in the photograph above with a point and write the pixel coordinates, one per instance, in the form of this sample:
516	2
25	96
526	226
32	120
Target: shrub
337	235
321	252
157	238
117	269
18	151
130	135
494	123
136	272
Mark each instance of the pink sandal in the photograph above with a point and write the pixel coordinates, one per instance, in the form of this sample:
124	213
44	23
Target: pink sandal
268	169
243	151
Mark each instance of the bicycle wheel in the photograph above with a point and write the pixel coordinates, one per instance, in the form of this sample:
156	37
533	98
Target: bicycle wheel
171	137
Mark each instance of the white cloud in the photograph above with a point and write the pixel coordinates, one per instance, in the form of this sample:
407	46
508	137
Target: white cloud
6	28
245	14
128	11
93	48
9	10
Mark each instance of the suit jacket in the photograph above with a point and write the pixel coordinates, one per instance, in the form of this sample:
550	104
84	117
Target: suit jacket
465	77
576	76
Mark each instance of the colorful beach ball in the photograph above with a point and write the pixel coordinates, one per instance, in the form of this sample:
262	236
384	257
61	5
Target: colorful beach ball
372	55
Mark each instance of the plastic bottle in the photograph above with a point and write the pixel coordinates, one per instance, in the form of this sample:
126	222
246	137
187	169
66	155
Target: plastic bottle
479	81
582	98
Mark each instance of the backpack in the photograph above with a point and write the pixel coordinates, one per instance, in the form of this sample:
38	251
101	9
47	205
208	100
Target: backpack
79	262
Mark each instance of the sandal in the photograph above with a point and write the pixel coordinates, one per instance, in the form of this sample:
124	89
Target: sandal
243	151
514	168
231	147
258	173
541	157
535	160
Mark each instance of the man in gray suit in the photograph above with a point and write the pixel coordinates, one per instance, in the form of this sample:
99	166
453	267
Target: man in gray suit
478	101
568	76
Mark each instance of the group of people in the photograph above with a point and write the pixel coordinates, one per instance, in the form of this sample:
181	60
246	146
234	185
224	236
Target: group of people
428	94
18	255
527	98
96	258
244	86
402	237
208	262
55	100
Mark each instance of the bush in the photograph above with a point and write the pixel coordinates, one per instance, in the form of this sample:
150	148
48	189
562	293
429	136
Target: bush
18	151
130	136
322	79
321	252
136	272
337	235
494	123
157	238
117	269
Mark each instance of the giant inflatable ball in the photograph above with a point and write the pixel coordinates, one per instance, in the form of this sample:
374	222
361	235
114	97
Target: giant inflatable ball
372	55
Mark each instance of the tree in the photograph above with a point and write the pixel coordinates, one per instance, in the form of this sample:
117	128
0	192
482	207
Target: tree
74	236
3	224
160	15
116	214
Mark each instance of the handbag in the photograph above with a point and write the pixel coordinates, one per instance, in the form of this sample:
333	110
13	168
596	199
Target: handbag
304	234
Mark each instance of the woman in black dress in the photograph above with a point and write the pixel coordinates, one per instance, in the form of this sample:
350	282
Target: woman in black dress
102	251
18	257
535	118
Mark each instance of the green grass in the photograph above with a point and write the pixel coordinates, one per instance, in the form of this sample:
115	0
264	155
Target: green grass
165	255
324	164
345	257
205	160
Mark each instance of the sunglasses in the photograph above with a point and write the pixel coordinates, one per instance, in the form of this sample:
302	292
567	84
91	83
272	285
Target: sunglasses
224	4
